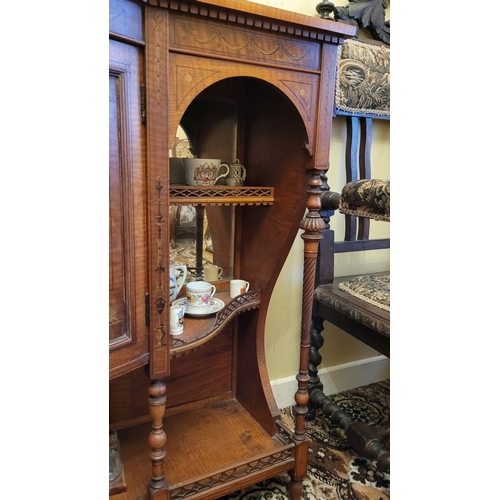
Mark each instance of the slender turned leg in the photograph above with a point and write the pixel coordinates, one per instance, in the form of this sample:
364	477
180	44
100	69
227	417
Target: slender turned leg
157	487
312	224
315	359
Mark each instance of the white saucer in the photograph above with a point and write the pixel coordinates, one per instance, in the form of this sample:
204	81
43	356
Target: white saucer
215	306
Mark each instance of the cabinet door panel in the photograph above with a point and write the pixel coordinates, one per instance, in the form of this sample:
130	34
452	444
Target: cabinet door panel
128	332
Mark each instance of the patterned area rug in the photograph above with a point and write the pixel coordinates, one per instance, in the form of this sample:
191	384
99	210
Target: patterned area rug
335	472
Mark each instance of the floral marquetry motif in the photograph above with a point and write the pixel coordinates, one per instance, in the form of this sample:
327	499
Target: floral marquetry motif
160	268
159	360
303	92
188	78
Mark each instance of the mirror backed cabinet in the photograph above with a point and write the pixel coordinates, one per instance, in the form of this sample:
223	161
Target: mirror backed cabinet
194	413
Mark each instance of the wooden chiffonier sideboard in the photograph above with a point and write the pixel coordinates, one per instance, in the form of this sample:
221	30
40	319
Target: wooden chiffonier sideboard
194	413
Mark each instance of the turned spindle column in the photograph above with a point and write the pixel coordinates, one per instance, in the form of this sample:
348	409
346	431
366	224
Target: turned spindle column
312	224
157	488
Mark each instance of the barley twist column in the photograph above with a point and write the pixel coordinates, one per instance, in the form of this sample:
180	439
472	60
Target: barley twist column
312	224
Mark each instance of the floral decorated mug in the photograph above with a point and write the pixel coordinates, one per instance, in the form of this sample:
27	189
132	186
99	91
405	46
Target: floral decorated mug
199	296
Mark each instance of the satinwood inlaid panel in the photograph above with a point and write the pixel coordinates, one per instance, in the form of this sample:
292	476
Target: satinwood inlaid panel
223	40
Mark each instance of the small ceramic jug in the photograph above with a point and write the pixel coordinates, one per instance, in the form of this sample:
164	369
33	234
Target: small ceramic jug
237	174
176	279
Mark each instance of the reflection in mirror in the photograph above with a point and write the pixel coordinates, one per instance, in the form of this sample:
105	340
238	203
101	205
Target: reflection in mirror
199	235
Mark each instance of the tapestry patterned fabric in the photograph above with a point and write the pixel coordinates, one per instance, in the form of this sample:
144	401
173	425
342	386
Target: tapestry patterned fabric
369	198
363	79
375	290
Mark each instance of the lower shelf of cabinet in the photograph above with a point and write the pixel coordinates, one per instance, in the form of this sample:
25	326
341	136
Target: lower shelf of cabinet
210	452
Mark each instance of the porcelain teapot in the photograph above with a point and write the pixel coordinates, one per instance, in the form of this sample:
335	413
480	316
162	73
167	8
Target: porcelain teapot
177	278
237	174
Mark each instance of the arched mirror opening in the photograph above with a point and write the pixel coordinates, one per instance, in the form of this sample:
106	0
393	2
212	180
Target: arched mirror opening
192	228
214	127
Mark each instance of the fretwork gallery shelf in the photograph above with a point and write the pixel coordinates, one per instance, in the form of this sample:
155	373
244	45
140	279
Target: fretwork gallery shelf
220	195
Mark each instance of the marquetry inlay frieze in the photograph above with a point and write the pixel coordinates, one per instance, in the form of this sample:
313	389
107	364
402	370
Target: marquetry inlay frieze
227	41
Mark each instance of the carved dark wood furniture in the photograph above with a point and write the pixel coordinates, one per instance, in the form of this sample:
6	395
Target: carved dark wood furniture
236	76
369	14
356	304
352	303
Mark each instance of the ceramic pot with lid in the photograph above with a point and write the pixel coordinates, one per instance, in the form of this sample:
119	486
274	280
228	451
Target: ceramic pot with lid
237	174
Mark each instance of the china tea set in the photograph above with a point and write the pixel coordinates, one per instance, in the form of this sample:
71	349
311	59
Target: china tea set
207	171
199	300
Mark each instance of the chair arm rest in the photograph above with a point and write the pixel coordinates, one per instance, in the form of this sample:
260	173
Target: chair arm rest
330	200
369	198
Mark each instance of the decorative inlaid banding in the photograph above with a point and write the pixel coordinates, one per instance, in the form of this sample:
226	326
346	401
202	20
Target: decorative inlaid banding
222	40
159	292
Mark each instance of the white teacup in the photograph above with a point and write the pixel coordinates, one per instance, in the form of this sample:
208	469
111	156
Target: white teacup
203	171
237	287
177	319
211	272
199	296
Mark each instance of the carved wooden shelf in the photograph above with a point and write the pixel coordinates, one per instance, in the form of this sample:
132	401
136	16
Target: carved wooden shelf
199	331
220	195
244	452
